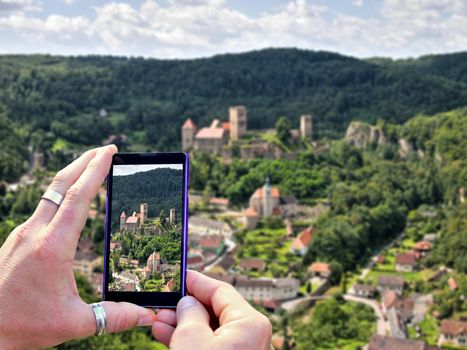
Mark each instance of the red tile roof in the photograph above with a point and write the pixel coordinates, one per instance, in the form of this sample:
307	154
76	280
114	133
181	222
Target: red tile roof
225	125
406	259
304	238
389	299
189	124
132	220
451	327
123	215
213	241
423	246
195	259
219	201
452	283
259	193
319	267
210	133
252	263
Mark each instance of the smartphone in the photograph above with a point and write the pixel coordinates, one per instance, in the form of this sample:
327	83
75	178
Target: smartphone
146	229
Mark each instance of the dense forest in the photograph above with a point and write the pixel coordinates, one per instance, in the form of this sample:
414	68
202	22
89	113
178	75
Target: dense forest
161	188
54	101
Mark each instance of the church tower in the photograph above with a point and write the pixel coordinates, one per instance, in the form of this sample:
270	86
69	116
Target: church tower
122	221
238	120
143	213
189	130
306	126
267	199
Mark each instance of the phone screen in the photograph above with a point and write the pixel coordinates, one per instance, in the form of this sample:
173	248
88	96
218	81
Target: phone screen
146	229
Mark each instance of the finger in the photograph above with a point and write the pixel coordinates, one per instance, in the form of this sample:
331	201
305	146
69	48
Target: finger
163	332
167	316
62	181
120	317
72	214
217	294
192	325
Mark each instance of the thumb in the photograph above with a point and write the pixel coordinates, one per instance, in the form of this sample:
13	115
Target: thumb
193	330
124	316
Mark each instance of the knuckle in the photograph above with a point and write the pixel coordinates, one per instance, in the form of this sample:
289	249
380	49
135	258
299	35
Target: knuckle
121	322
76	193
264	327
60	177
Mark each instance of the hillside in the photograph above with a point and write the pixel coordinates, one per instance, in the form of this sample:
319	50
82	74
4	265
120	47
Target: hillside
165	192
52	97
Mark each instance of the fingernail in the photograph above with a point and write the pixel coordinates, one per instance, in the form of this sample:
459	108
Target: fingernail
185	303
145	321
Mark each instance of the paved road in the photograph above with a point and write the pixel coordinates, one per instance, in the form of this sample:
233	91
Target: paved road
381	326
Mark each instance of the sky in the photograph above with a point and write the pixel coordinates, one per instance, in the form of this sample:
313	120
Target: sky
127	169
203	28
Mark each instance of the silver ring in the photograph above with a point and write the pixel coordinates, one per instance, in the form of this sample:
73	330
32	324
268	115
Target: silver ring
101	318
53	196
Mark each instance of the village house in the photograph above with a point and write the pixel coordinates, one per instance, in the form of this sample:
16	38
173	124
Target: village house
250	218
301	243
320	270
267	288
252	264
212	243
406	262
201	226
363	290
380	342
422	247
219	203
389	282
453	332
86	260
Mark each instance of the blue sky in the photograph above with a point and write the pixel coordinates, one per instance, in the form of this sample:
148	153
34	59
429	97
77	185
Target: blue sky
200	28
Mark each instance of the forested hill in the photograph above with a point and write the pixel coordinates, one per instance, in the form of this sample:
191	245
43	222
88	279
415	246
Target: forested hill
54	97
161	188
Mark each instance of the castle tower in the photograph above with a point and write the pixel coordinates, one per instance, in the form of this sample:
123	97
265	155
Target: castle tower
172	216
238	119
189	130
267	199
122	221
143	213
306	126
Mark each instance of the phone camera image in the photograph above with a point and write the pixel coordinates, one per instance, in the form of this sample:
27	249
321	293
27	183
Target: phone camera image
146	228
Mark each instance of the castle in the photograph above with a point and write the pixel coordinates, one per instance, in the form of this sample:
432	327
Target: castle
214	138
137	220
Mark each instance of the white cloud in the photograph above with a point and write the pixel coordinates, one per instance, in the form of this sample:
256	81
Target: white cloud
193	28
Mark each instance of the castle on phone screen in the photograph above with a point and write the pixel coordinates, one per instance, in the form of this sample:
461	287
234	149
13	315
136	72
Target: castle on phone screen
146	230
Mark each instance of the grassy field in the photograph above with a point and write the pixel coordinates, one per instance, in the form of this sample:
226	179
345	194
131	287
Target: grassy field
271	246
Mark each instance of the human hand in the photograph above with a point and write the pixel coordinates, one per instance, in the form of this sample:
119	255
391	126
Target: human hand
39	301
240	326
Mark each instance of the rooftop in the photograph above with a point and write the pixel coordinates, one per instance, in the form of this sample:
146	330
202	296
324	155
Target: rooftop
406	259
452	327
210	133
304	238
397	281
259	193
319	267
252	263
189	124
379	342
